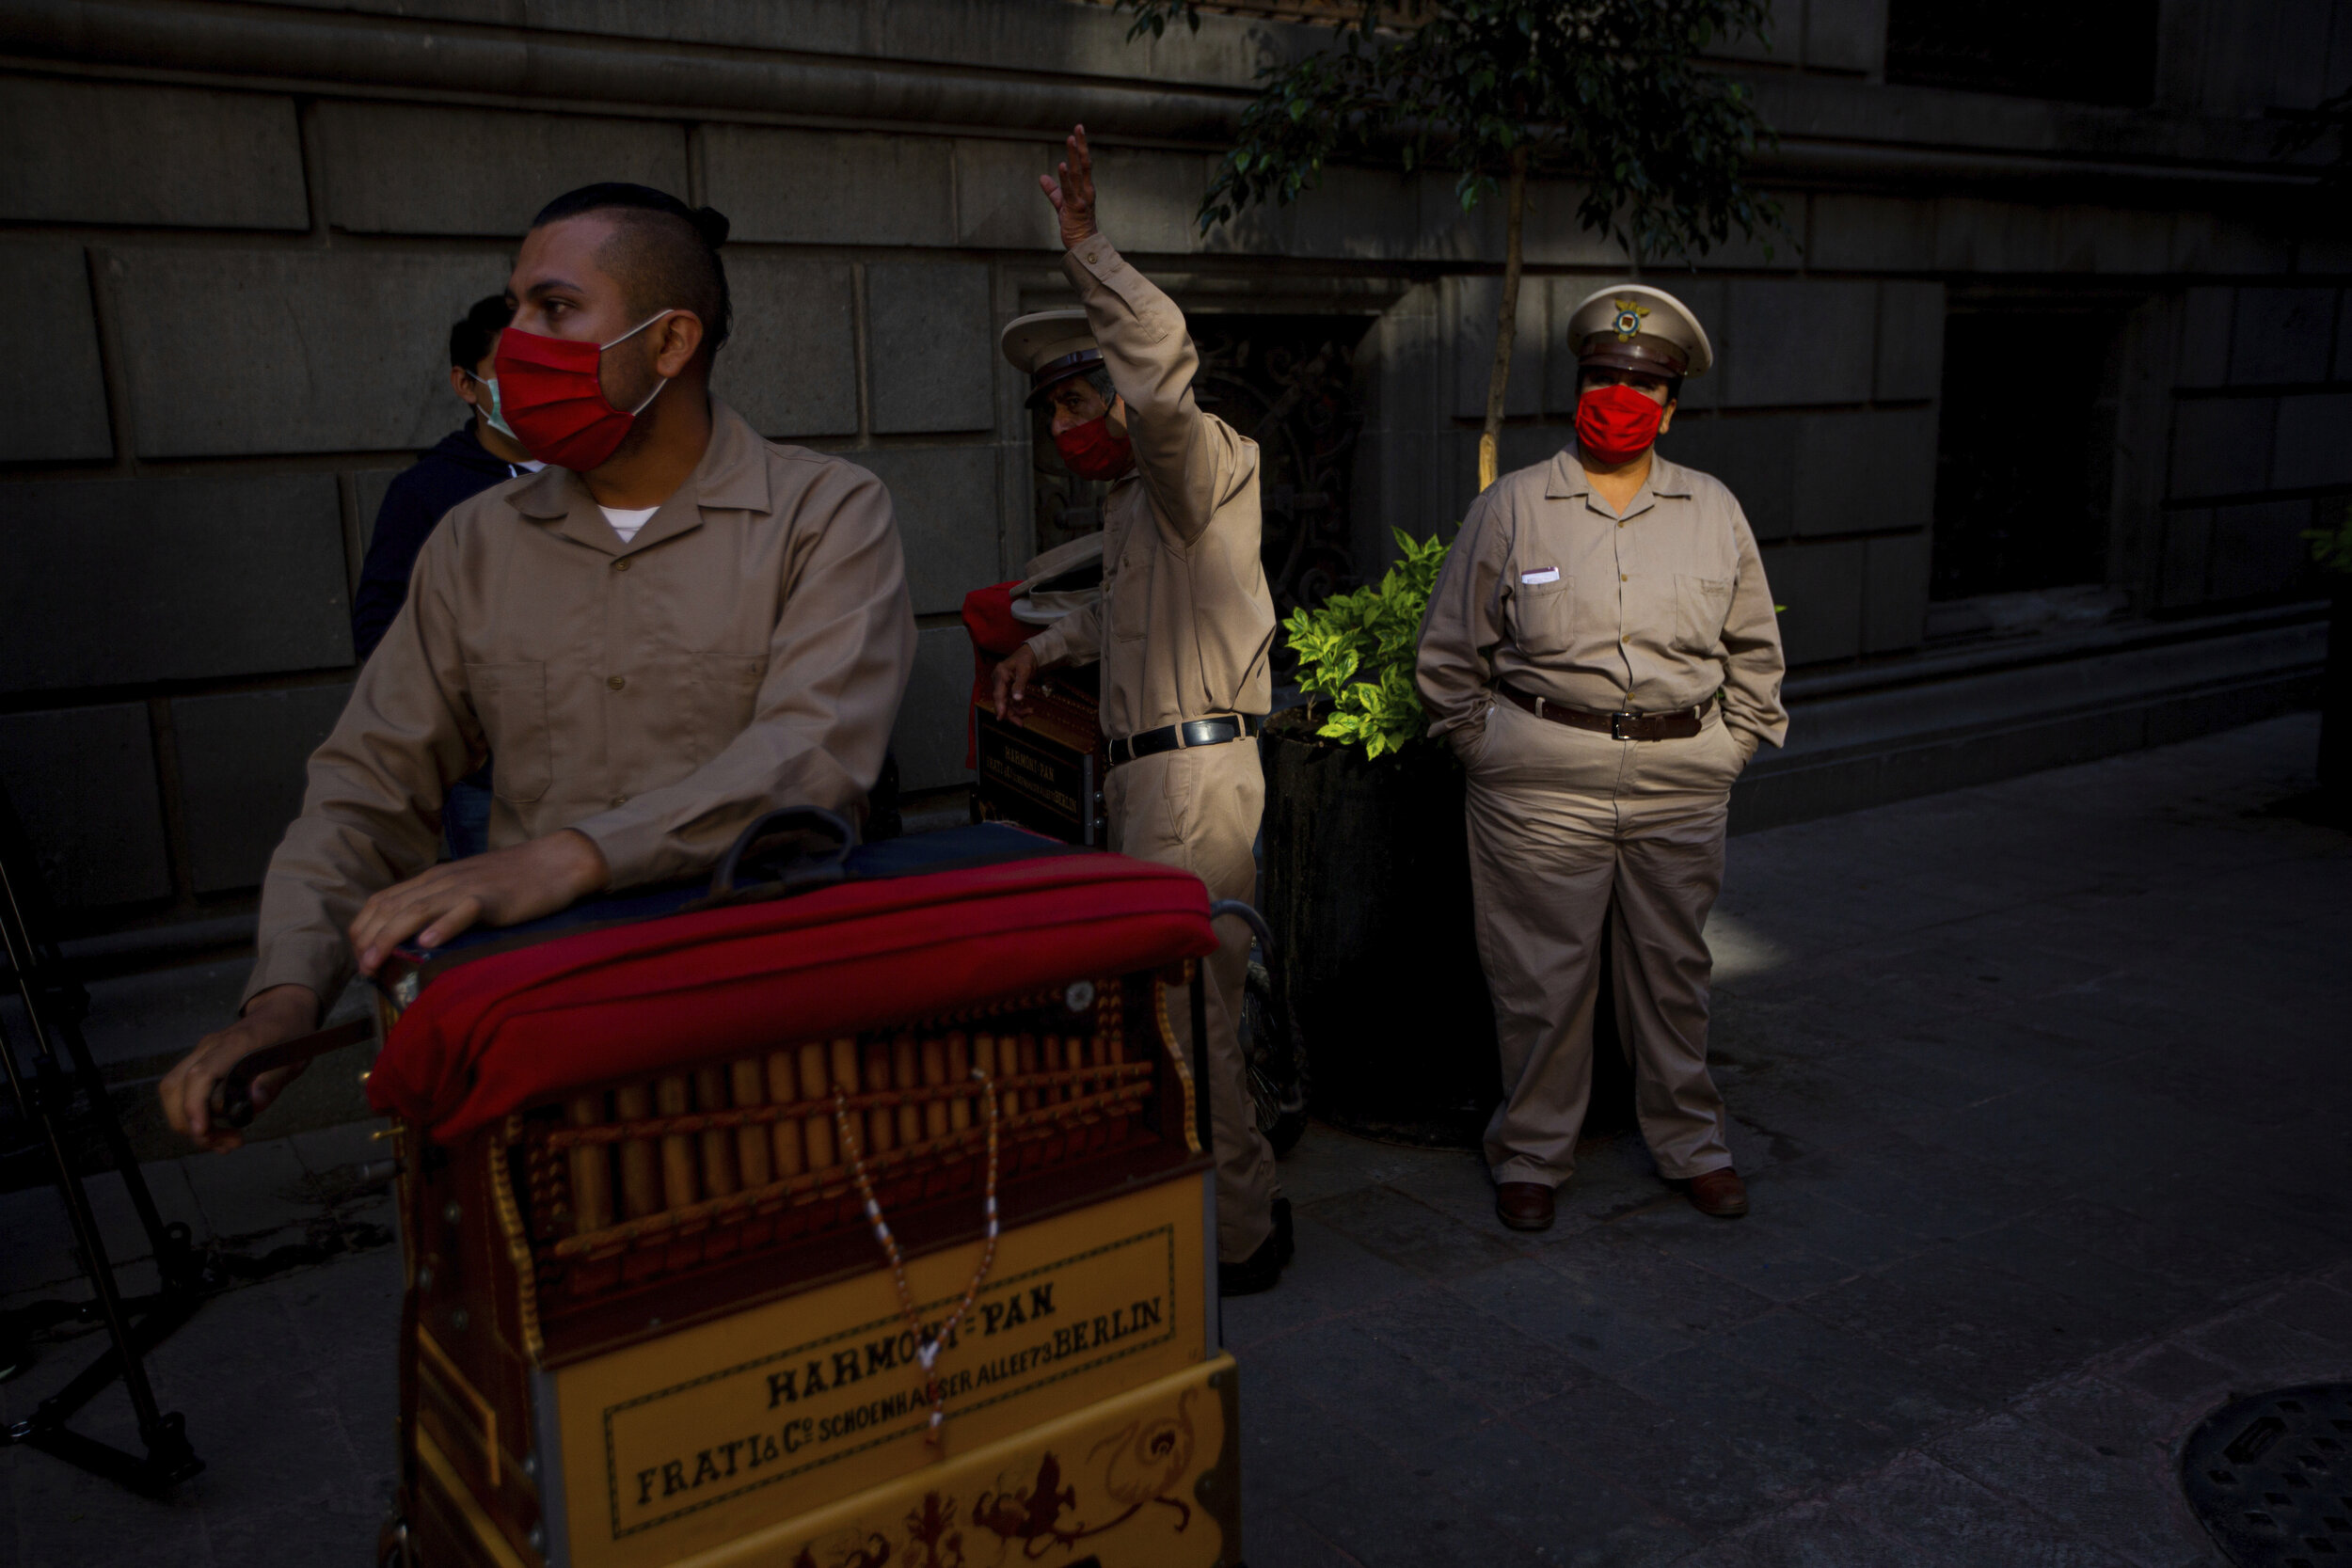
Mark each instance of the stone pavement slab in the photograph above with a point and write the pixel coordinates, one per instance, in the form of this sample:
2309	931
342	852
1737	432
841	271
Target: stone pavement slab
2039	1087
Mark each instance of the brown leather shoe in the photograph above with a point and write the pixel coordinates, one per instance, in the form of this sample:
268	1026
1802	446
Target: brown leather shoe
1523	1205
1719	1192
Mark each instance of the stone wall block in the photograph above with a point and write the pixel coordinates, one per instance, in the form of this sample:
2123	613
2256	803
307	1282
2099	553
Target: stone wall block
2206	329
933	720
370	485
1474	301
242	771
2221	446
1354	215
1872	233
53	401
2299	55
946	501
1845	35
791	366
2111	240
931	353
1554	235
2225	243
234	353
2188	551
1450	233
1895	593
2259	549
1764	251
1910	342
2281	334
1976	235
1151	199
1822	585
2314	442
83	782
107	582
1865	473
149	156
998	204
1757	457
398	168
832	188
1800	342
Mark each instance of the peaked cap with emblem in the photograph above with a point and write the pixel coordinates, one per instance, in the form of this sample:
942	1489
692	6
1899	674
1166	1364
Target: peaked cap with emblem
1632	326
1050	347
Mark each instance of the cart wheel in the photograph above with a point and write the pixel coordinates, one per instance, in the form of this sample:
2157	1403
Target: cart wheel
1275	1081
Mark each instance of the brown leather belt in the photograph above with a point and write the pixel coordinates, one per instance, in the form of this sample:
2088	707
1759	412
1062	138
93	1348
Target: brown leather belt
1681	724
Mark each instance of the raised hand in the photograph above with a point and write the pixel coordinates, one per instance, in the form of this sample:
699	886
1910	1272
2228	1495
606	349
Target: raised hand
1072	195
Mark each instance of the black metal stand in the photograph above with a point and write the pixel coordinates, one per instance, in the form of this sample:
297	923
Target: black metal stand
54	1005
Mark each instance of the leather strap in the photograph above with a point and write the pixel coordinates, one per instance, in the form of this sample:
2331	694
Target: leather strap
1681	724
1175	737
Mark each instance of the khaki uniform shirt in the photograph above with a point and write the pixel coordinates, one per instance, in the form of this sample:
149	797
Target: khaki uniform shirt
1185	625
745	651
1663	608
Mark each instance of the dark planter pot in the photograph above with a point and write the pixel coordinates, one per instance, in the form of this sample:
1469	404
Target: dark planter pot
2335	708
1367	890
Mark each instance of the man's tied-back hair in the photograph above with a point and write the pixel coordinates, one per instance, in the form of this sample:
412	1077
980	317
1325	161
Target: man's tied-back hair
470	340
665	253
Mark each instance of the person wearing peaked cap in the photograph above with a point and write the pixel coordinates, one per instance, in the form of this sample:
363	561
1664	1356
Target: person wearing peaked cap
1183	629
1601	654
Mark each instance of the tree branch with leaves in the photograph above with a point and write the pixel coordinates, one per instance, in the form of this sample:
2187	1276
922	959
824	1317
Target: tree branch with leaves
1611	93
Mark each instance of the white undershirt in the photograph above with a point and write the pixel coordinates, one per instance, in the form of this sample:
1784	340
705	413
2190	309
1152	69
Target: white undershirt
626	524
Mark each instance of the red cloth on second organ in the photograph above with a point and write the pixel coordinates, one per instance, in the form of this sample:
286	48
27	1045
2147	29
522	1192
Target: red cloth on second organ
988	617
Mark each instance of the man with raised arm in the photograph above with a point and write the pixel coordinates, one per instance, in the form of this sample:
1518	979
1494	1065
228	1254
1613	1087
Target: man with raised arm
1182	630
670	629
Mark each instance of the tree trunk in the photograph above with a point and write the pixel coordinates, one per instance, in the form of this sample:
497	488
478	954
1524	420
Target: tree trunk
1506	326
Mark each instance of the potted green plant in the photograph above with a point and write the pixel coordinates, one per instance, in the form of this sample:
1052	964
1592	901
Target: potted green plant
1367	874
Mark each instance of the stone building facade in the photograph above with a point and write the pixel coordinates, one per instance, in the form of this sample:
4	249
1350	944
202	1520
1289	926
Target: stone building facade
2067	352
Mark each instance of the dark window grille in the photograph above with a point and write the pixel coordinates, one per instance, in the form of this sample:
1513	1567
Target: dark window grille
2087	51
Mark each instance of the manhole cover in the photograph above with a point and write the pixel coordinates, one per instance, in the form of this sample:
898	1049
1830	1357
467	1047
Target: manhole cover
2270	1477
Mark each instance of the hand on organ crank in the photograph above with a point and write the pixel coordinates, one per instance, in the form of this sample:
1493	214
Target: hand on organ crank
504	887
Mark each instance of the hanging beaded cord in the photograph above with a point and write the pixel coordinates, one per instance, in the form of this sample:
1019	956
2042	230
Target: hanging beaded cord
927	1344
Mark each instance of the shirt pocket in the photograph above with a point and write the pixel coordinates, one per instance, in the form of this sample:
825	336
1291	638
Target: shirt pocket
726	691
1127	593
1701	607
511	700
1543	613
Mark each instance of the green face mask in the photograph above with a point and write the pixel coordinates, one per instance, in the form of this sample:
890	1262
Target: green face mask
493	415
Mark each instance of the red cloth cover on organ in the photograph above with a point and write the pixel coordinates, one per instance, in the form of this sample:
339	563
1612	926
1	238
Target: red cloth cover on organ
524	1026
988	616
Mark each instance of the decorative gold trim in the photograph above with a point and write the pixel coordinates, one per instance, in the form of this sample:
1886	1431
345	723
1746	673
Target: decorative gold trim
462	1386
518	1242
1183	1063
486	1534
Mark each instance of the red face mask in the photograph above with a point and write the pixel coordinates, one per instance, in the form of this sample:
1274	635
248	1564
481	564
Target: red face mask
1092	452
1615	424
553	398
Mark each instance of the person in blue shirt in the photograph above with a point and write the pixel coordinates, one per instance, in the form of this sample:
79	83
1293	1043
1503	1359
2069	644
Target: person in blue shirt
467	460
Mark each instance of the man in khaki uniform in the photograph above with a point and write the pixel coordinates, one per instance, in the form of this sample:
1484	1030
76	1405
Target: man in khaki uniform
1183	629
690	628
1601	654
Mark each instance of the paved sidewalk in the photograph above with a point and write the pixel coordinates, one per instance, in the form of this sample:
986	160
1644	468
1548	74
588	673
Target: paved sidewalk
2041	1089
2042	1092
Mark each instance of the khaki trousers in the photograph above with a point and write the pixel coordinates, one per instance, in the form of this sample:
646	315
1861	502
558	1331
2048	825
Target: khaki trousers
1199	809
1567	828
